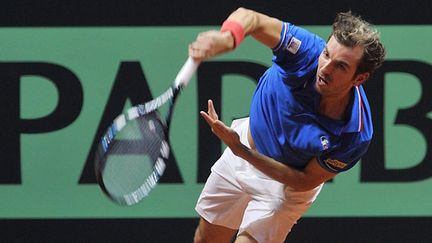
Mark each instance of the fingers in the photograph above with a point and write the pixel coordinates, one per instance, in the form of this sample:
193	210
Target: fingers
206	45
211	117
197	53
217	126
207	118
211	110
226	134
200	48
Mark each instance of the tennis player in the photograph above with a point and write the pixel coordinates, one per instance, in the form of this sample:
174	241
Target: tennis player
309	120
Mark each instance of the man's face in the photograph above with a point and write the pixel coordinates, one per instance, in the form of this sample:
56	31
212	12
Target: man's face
337	65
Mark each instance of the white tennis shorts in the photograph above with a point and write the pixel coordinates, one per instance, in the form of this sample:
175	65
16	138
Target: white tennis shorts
238	196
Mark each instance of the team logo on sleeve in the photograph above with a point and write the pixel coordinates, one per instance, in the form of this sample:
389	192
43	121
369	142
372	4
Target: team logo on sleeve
336	164
294	45
324	142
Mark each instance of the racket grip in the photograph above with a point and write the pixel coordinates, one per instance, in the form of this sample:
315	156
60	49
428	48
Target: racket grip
186	72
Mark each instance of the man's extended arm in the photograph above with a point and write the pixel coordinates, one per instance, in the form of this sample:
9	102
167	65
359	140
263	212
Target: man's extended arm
300	180
263	28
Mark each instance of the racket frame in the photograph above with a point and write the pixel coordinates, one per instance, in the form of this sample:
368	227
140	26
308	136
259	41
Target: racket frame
169	96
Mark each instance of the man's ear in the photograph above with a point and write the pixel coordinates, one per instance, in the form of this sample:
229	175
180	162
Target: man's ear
360	78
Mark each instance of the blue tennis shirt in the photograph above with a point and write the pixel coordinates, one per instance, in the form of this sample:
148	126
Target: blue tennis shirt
284	122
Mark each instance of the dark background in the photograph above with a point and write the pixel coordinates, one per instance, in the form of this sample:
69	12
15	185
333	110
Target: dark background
199	13
203	12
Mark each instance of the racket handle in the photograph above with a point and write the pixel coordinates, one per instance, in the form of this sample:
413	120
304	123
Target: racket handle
186	72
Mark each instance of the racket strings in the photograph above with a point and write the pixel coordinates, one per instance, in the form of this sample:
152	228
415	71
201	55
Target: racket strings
130	160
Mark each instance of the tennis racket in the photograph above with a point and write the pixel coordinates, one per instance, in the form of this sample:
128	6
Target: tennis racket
133	152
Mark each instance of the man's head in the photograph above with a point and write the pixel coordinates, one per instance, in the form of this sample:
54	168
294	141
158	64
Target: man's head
352	54
350	31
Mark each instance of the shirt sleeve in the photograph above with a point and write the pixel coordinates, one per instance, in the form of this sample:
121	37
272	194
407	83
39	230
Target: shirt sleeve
344	158
296	55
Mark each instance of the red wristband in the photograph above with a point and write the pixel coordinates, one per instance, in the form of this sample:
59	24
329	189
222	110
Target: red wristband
236	30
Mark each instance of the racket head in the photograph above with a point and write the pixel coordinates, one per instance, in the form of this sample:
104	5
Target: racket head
132	156
133	152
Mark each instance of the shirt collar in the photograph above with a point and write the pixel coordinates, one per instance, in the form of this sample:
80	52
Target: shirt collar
355	122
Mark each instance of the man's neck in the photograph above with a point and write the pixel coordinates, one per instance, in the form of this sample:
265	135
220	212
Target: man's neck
334	107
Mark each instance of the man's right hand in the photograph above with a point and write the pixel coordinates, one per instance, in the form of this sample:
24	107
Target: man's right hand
211	43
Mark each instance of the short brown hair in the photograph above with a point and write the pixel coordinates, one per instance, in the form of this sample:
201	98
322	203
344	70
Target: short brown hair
351	30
